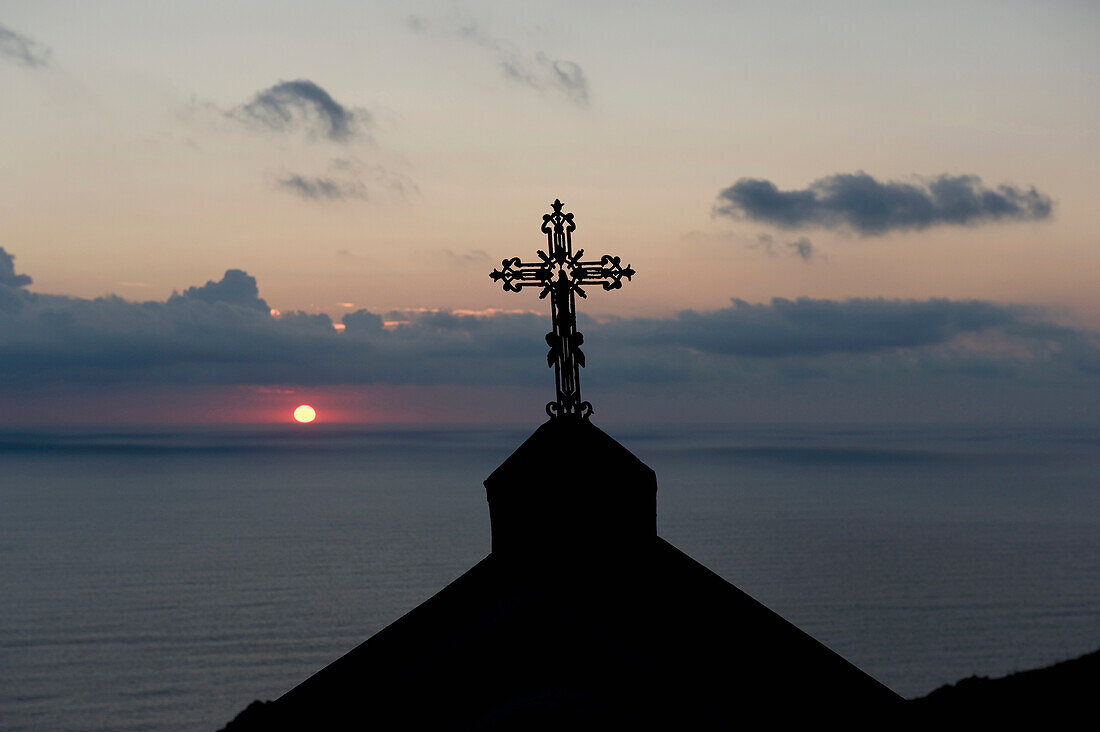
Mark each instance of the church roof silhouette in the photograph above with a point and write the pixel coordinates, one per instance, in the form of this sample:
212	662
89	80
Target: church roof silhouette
581	616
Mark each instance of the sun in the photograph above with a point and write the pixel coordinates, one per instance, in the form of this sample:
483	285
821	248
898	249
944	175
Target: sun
305	413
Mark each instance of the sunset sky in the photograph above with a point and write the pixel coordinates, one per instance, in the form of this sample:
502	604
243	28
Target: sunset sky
840	210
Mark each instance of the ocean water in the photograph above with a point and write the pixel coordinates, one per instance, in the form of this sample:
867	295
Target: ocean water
163	580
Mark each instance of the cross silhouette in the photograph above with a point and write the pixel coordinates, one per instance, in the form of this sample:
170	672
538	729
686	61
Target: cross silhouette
561	274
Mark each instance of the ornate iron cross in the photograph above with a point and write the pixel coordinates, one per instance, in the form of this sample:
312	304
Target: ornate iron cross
561	274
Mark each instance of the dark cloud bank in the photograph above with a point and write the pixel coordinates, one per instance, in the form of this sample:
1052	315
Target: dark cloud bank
223	333
859	202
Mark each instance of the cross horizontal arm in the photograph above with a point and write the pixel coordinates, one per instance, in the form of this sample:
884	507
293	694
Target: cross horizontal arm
514	275
608	272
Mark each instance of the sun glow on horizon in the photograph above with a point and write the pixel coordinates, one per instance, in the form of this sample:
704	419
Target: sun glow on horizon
304	413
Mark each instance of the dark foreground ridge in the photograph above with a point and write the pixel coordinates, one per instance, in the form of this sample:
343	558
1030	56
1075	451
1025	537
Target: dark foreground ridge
580	617
1056	694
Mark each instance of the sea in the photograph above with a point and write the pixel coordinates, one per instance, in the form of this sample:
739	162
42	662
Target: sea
164	578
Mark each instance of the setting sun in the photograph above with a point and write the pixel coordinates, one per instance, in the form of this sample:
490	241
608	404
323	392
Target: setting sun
305	413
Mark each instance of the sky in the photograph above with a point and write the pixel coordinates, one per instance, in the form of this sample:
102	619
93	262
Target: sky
853	211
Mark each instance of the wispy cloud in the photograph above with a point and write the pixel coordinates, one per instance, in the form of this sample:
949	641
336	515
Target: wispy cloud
542	72
306	111
319	188
538	70
302	105
473	256
347	179
20	49
859	202
801	247
375	176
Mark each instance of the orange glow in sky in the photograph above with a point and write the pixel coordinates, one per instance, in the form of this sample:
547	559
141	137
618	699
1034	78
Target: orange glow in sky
304	413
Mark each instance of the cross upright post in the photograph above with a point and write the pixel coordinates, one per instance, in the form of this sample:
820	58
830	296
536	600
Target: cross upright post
561	274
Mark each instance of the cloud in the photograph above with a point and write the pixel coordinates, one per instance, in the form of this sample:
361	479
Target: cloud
8	277
236	287
471	257
318	188
303	105
21	50
379	178
765	242
347	179
541	73
223	333
808	327
537	70
858	202
801	247
362	321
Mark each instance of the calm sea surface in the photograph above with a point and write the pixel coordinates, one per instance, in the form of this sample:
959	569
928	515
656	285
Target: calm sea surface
163	580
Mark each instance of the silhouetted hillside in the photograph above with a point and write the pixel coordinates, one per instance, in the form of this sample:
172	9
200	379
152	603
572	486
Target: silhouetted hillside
1064	691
